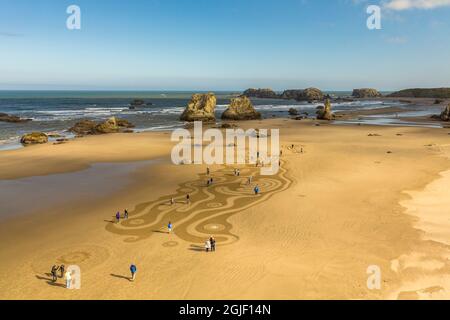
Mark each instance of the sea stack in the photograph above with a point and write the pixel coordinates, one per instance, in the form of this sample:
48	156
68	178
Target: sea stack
200	108
366	93
241	109
324	112
309	94
261	93
445	115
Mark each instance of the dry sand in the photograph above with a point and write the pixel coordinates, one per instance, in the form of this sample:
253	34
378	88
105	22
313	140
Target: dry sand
332	211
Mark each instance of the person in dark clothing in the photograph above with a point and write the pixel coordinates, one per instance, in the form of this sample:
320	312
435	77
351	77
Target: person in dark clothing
62	268
213	244
125	215
53	272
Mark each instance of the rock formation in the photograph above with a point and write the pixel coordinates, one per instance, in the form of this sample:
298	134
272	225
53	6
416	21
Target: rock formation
138	103
241	109
445	115
324	112
200	108
261	93
293	112
309	94
112	125
34	138
366	93
109	126
10	118
436	93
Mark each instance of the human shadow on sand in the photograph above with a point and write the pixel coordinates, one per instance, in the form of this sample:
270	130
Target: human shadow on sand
120	277
159	231
50	282
197	248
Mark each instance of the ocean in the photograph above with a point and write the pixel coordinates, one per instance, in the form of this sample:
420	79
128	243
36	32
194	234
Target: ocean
57	111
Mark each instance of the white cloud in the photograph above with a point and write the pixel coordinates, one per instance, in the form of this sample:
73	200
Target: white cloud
400	5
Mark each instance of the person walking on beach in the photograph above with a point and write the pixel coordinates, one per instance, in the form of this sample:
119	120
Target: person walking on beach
133	271
169	227
208	245
68	277
207	171
117	217
213	243
188	198
256	190
125	214
62	268
172	201
53	273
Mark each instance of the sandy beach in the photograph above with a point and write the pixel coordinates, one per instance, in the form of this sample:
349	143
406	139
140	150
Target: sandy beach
357	196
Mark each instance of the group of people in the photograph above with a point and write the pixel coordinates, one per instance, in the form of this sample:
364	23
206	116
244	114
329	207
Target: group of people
188	199
62	274
118	216
210	244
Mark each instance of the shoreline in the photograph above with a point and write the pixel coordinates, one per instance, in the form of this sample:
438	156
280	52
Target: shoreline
296	244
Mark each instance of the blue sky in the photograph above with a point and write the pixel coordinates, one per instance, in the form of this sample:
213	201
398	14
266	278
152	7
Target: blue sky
223	45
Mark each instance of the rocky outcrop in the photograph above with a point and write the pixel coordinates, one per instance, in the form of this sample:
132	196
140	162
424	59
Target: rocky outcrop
293	112
83	127
200	108
261	93
138	103
445	115
241	109
13	119
34	138
112	125
366	93
309	94
109	126
324	112
436	93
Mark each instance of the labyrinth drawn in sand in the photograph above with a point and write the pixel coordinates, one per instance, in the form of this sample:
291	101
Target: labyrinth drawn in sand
208	211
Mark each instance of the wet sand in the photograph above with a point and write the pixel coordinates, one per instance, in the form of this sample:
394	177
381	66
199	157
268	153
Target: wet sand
331	212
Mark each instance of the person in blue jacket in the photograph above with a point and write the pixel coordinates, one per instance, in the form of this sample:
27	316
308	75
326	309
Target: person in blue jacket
133	270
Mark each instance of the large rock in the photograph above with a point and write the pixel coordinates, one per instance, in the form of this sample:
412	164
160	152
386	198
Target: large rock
241	109
445	115
109	126
112	125
366	93
83	127
34	138
309	94
293	112
10	118
436	93
200	108
261	93
324	113
138	103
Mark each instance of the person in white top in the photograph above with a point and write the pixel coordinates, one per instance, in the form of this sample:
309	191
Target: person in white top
68	277
208	245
